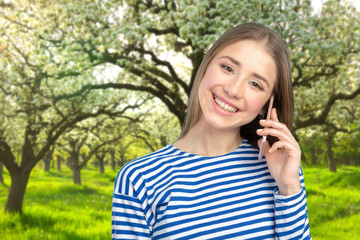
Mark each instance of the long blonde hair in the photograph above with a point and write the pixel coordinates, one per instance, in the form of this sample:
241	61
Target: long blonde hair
283	93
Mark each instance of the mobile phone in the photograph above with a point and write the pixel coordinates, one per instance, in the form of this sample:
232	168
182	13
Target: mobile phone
263	139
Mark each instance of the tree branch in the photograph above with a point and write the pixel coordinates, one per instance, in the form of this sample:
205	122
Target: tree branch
167	64
63	125
7	157
178	110
172	30
321	119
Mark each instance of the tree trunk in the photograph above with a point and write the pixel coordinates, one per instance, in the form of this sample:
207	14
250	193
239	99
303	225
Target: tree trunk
76	175
314	156
304	159
101	165
53	163
1	172
330	153
47	159
75	167
58	163
113	162
47	162
19	181
122	161
100	158
95	164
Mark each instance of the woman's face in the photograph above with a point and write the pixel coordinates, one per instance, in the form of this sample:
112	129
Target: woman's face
237	84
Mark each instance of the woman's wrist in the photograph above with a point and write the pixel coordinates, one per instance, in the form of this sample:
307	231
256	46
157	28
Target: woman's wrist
289	190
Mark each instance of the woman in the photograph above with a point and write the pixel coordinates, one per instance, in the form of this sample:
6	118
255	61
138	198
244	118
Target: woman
210	184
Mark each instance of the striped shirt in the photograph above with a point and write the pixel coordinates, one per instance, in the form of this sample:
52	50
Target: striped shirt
171	194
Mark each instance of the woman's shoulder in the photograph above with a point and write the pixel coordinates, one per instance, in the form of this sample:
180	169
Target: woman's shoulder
150	159
136	169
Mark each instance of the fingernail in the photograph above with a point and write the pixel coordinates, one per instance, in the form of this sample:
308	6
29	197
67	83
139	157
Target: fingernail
262	121
259	130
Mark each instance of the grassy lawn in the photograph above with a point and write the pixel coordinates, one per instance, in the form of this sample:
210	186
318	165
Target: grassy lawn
55	208
333	203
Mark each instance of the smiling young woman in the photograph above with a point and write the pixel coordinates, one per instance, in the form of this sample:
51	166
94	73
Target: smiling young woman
210	184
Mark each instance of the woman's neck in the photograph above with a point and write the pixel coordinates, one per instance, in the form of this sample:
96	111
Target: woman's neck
205	140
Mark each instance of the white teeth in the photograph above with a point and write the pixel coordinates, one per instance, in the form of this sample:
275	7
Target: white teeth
224	106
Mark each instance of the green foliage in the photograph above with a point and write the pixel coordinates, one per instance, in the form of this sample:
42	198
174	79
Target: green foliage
346	140
312	146
157	129
346	149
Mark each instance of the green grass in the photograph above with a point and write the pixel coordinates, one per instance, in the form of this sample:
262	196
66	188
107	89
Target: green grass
333	203
55	208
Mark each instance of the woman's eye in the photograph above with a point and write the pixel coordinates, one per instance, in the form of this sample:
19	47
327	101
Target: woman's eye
257	85
227	68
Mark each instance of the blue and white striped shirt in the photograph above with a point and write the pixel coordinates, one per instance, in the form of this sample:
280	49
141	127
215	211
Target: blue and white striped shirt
171	194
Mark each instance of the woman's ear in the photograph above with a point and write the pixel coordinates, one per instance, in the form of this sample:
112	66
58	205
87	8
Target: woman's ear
262	114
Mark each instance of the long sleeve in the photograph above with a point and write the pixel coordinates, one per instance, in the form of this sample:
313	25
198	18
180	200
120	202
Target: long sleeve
291	217
129	217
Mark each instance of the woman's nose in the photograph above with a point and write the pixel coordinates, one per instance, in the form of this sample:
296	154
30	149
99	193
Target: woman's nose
234	88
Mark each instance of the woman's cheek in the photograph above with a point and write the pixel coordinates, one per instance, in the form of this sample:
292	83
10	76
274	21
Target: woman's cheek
255	103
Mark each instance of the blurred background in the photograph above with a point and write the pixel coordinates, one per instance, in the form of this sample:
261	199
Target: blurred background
86	86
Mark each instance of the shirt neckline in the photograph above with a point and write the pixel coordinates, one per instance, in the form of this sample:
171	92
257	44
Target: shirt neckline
202	156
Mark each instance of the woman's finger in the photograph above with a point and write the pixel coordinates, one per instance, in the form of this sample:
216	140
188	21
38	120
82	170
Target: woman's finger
279	133
272	124
282	144
274	115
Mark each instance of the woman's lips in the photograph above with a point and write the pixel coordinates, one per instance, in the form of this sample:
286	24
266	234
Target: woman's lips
225	105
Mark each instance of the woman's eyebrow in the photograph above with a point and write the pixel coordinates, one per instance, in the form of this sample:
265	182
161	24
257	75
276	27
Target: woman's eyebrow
262	79
231	59
237	63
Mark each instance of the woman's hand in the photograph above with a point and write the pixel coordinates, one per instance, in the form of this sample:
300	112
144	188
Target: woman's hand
283	157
